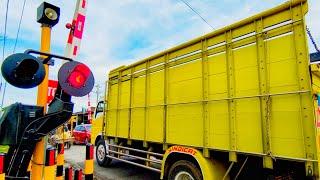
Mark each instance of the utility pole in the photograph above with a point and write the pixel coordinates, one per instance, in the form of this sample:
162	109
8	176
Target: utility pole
97	86
48	16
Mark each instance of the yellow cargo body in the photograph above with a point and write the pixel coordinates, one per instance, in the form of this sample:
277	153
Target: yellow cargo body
245	88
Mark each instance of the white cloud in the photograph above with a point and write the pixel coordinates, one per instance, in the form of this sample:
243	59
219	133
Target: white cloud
313	21
111	24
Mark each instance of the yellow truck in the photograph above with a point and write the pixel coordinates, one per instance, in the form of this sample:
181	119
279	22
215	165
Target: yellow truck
237	103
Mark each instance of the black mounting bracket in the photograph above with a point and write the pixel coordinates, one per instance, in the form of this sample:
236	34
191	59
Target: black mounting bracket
48	56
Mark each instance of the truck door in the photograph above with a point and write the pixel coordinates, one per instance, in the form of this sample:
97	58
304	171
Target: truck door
97	121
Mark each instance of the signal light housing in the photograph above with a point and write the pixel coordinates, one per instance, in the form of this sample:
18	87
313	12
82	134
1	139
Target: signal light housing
48	14
75	78
23	70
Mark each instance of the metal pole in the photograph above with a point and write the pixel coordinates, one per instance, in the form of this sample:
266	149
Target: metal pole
97	92
39	152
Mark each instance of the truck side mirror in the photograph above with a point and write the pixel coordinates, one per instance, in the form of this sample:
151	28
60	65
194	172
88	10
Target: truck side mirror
99	108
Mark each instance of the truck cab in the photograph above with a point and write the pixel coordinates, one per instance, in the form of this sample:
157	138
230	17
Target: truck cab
97	123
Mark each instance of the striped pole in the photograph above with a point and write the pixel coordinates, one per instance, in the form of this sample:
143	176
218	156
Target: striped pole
89	110
60	161
2	169
68	173
50	164
88	165
78	174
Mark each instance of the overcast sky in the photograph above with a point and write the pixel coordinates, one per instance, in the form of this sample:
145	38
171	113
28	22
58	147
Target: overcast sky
119	32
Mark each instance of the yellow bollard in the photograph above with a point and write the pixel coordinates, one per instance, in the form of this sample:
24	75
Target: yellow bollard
88	165
78	174
60	161
50	164
2	169
68	173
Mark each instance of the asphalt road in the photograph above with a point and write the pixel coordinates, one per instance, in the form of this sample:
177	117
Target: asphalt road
118	170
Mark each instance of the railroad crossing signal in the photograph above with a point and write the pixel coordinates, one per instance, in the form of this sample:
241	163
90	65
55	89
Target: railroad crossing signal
24	125
48	14
23	70
75	78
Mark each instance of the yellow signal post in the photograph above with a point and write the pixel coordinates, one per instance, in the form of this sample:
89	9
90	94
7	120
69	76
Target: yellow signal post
48	16
50	164
39	152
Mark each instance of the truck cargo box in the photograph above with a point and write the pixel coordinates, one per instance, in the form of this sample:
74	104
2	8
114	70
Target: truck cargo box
245	88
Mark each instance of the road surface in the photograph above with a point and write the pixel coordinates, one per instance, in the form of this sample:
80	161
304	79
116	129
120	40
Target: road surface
118	170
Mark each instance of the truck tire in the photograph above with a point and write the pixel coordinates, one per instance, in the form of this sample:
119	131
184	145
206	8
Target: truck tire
101	152
67	145
184	170
268	174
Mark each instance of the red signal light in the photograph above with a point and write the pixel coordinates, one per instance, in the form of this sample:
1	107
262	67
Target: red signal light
79	76
75	78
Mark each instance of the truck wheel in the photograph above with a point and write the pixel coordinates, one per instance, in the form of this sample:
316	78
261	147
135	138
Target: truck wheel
101	152
68	145
183	169
268	174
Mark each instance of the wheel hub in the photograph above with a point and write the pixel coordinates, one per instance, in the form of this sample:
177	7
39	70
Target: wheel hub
101	153
183	175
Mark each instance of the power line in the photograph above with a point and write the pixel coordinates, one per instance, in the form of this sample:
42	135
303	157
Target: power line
97	92
14	48
5	30
3	94
4	36
187	4
21	16
1	38
312	40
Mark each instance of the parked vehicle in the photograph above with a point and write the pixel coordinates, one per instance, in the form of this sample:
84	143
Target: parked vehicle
82	134
61	135
238	103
